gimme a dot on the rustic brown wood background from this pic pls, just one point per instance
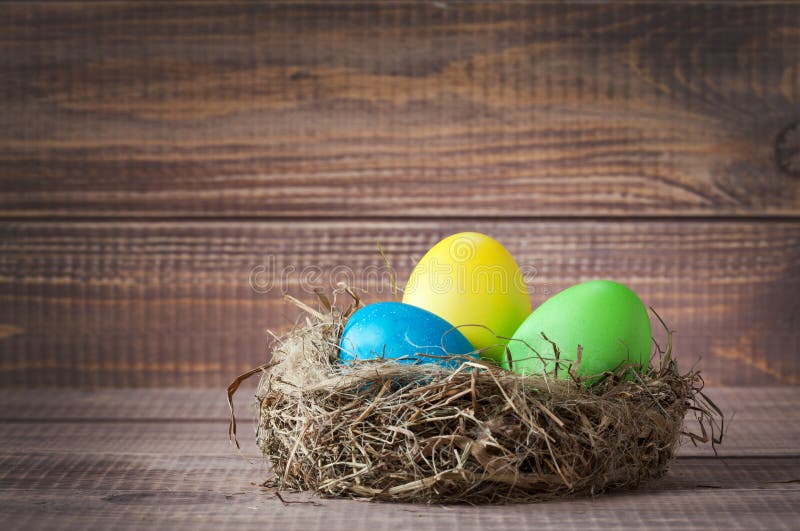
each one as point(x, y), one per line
point(153, 157)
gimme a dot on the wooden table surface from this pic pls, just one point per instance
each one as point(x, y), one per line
point(161, 458)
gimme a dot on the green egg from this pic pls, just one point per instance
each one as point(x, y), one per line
point(606, 319)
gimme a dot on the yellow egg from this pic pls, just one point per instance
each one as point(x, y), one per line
point(473, 282)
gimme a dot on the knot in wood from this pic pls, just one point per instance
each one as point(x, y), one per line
point(787, 150)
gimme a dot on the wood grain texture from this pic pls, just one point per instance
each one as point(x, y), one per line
point(419, 110)
point(185, 475)
point(189, 303)
point(760, 421)
point(121, 490)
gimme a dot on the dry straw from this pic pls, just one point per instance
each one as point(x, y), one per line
point(479, 434)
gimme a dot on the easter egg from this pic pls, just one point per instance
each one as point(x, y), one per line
point(607, 320)
point(473, 282)
point(401, 332)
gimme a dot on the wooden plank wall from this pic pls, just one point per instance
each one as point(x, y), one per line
point(163, 164)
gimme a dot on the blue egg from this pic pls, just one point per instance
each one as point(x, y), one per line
point(401, 332)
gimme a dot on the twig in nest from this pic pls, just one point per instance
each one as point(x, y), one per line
point(232, 388)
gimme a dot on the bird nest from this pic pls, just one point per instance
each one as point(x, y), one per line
point(478, 434)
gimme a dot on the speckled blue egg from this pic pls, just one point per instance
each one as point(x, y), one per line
point(401, 332)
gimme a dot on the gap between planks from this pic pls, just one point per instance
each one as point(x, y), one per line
point(433, 217)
